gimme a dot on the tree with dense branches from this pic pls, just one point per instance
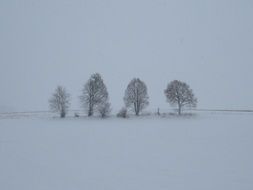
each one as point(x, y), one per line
point(95, 96)
point(136, 96)
point(60, 101)
point(179, 93)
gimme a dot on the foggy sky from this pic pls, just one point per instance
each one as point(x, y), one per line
point(206, 43)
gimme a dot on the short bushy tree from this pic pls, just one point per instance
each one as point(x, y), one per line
point(94, 94)
point(179, 93)
point(136, 96)
point(104, 109)
point(122, 113)
point(60, 101)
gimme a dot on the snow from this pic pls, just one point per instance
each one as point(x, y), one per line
point(207, 151)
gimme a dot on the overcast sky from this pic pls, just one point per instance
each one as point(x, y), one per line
point(206, 43)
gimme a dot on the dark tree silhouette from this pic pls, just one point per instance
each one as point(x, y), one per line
point(60, 101)
point(136, 96)
point(94, 94)
point(179, 93)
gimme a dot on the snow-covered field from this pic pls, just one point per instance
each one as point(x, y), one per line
point(208, 151)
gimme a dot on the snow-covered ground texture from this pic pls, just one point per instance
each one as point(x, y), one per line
point(208, 151)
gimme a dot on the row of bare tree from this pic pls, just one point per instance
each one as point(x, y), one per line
point(95, 97)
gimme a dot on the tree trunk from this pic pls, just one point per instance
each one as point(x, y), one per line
point(63, 114)
point(179, 109)
point(90, 113)
point(136, 109)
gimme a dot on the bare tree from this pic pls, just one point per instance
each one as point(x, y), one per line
point(60, 101)
point(136, 96)
point(94, 94)
point(179, 93)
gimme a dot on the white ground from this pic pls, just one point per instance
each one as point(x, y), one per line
point(210, 151)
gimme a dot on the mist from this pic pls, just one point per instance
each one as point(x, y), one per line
point(207, 44)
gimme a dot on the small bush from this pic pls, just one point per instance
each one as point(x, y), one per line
point(104, 110)
point(122, 113)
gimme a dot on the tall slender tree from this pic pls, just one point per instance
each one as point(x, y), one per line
point(136, 96)
point(94, 94)
point(60, 101)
